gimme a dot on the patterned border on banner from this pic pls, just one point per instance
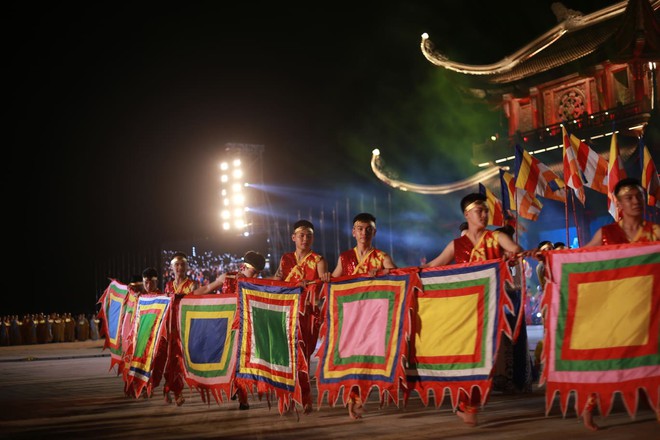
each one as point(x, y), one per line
point(112, 313)
point(208, 342)
point(149, 333)
point(269, 356)
point(366, 323)
point(457, 326)
point(602, 332)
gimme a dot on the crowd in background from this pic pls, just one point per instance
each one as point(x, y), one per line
point(48, 328)
point(204, 268)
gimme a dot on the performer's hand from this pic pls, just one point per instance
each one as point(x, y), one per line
point(325, 277)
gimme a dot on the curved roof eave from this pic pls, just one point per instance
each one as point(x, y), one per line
point(571, 24)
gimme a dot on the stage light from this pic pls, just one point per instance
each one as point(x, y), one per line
point(238, 199)
point(242, 161)
point(225, 214)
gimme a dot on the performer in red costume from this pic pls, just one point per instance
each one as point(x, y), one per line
point(150, 281)
point(302, 266)
point(631, 228)
point(253, 264)
point(363, 258)
point(478, 244)
point(181, 283)
point(367, 260)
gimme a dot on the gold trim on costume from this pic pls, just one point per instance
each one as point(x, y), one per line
point(475, 204)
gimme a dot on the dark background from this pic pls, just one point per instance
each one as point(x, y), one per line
point(120, 114)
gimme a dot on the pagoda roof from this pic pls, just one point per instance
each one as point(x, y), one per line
point(623, 32)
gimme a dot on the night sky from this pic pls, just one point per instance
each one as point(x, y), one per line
point(121, 113)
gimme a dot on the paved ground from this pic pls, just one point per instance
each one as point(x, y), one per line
point(67, 391)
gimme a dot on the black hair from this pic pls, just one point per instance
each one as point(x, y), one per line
point(543, 243)
point(470, 198)
point(255, 259)
point(364, 217)
point(303, 224)
point(628, 181)
point(463, 226)
point(150, 272)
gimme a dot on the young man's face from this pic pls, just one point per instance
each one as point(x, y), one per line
point(477, 216)
point(150, 284)
point(303, 238)
point(249, 271)
point(179, 267)
point(631, 202)
point(364, 232)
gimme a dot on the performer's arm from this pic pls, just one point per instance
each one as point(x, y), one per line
point(278, 274)
point(205, 290)
point(322, 270)
point(338, 269)
point(597, 239)
point(445, 257)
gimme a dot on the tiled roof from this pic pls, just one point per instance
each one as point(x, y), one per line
point(575, 38)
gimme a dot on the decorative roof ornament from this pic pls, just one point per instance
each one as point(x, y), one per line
point(378, 167)
point(545, 52)
point(564, 14)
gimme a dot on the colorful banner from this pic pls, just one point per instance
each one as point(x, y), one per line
point(537, 178)
point(602, 329)
point(269, 355)
point(458, 320)
point(208, 343)
point(366, 324)
point(615, 172)
point(112, 315)
point(147, 354)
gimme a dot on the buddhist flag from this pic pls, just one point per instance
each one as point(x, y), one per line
point(536, 178)
point(529, 207)
point(495, 212)
point(650, 180)
point(615, 172)
point(572, 174)
point(592, 165)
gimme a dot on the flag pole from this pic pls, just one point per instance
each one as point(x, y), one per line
point(568, 241)
point(577, 227)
